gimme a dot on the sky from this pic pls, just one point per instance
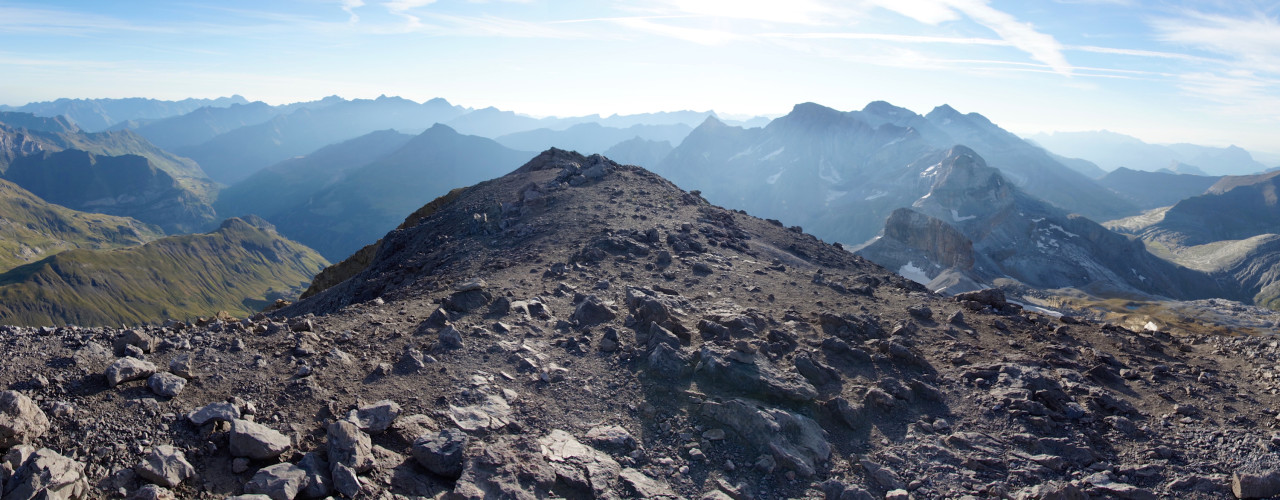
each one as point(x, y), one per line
point(1205, 72)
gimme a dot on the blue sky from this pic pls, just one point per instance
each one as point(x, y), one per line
point(1205, 72)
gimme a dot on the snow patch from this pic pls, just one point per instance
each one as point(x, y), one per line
point(774, 178)
point(1151, 326)
point(875, 195)
point(745, 152)
point(955, 216)
point(773, 154)
point(930, 171)
point(913, 273)
point(833, 195)
point(827, 172)
point(1064, 231)
point(890, 143)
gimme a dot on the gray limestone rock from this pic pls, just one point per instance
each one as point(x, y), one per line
point(45, 474)
point(279, 481)
point(376, 417)
point(166, 384)
point(794, 440)
point(350, 447)
point(441, 452)
point(21, 421)
point(166, 466)
point(256, 441)
point(128, 369)
point(224, 412)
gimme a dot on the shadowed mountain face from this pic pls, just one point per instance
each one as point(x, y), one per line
point(239, 268)
point(1234, 208)
point(1148, 190)
point(116, 172)
point(1017, 236)
point(841, 174)
point(237, 154)
point(355, 206)
point(126, 185)
point(637, 151)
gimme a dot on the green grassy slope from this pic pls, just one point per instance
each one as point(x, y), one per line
point(238, 268)
point(32, 229)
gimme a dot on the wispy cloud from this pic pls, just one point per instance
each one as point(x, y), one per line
point(1024, 36)
point(350, 6)
point(61, 22)
point(1253, 42)
point(404, 8)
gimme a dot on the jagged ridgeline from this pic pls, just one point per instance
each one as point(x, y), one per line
point(239, 268)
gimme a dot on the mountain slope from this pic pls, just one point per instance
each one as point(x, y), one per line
point(1017, 236)
point(1234, 208)
point(638, 151)
point(31, 228)
point(370, 200)
point(235, 155)
point(128, 185)
point(1031, 168)
point(1148, 190)
point(204, 124)
point(294, 182)
point(238, 268)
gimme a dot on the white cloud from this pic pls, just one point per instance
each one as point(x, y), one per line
point(350, 6)
point(1252, 42)
point(807, 12)
point(401, 8)
point(1040, 46)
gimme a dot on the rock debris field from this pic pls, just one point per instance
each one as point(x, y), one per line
point(583, 329)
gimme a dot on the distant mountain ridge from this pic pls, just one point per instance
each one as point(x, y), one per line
point(95, 115)
point(1111, 150)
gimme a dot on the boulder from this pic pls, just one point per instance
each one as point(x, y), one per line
point(441, 452)
point(44, 474)
point(638, 485)
point(376, 417)
point(256, 441)
point(593, 311)
point(349, 447)
point(166, 384)
point(578, 466)
point(319, 480)
point(1248, 485)
point(21, 421)
point(128, 369)
point(491, 413)
point(612, 436)
point(166, 466)
point(216, 412)
point(279, 481)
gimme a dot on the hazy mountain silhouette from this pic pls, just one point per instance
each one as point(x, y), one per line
point(98, 114)
point(237, 154)
point(1111, 150)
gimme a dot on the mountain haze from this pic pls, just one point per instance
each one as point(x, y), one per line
point(99, 114)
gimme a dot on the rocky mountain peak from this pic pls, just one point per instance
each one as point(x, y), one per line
point(964, 182)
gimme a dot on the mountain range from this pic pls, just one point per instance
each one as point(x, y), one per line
point(1111, 150)
point(98, 114)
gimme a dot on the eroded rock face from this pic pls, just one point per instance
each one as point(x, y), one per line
point(795, 441)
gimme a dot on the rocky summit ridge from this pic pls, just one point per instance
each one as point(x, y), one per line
point(584, 329)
